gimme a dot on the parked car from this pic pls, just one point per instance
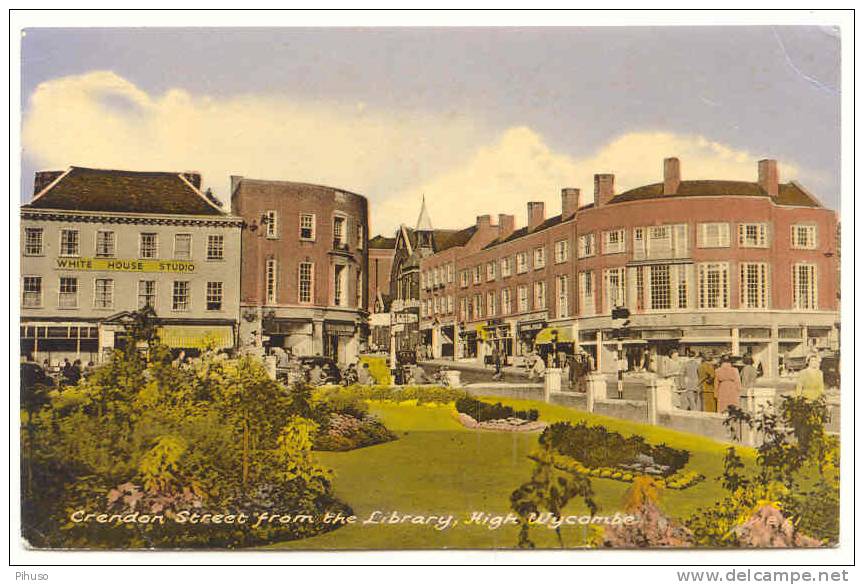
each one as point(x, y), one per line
point(830, 366)
point(405, 361)
point(331, 369)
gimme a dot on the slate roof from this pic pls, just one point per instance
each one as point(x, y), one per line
point(445, 239)
point(82, 189)
point(789, 193)
point(523, 231)
point(382, 243)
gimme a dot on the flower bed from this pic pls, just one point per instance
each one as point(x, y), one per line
point(511, 424)
point(678, 481)
point(484, 411)
point(345, 432)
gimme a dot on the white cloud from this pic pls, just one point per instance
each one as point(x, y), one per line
point(464, 166)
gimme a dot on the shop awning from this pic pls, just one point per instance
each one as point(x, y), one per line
point(565, 335)
point(197, 336)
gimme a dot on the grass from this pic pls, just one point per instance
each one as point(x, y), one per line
point(437, 467)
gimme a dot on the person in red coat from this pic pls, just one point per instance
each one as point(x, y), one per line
point(727, 385)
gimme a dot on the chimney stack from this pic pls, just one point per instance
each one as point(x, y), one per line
point(604, 189)
point(569, 202)
point(769, 179)
point(43, 179)
point(671, 175)
point(506, 225)
point(484, 222)
point(193, 177)
point(536, 214)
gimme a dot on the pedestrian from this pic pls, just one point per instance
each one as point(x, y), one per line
point(672, 371)
point(496, 361)
point(66, 372)
point(749, 373)
point(364, 376)
point(727, 385)
point(538, 366)
point(811, 380)
point(690, 383)
point(571, 370)
point(706, 382)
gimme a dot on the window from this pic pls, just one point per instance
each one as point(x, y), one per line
point(271, 218)
point(182, 246)
point(713, 235)
point(477, 274)
point(614, 282)
point(358, 288)
point(586, 293)
point(522, 297)
point(586, 245)
point(506, 267)
point(33, 241)
point(491, 305)
point(339, 272)
point(463, 308)
point(539, 295)
point(361, 237)
point(539, 258)
point(659, 287)
point(640, 288)
point(464, 277)
point(754, 285)
point(146, 293)
point(215, 247)
point(664, 241)
point(490, 271)
point(753, 235)
point(32, 290)
point(714, 285)
point(180, 296)
point(562, 285)
point(271, 280)
point(684, 272)
point(804, 236)
point(339, 231)
point(70, 245)
point(562, 251)
point(104, 244)
point(451, 271)
point(506, 302)
point(214, 296)
point(478, 307)
point(149, 245)
point(804, 294)
point(307, 226)
point(613, 242)
point(450, 304)
point(521, 262)
point(103, 293)
point(68, 292)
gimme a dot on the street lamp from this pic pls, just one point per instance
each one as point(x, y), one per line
point(554, 333)
point(620, 321)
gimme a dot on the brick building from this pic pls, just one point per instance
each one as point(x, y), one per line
point(381, 252)
point(508, 289)
point(97, 245)
point(304, 273)
point(706, 265)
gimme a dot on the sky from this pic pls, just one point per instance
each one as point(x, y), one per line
point(479, 120)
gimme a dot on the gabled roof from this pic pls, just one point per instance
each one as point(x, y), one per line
point(789, 193)
point(443, 239)
point(82, 189)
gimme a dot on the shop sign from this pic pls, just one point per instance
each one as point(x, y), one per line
point(339, 328)
point(125, 265)
point(404, 318)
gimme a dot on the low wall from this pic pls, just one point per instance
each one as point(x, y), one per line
point(520, 391)
point(635, 410)
point(707, 424)
point(571, 399)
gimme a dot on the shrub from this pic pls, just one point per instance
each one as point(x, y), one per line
point(345, 432)
point(483, 411)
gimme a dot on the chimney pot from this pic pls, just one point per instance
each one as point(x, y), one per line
point(604, 188)
point(671, 175)
point(506, 225)
point(570, 200)
point(769, 178)
point(484, 221)
point(536, 214)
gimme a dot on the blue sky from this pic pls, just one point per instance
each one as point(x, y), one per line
point(395, 112)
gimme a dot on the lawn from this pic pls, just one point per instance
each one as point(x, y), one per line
point(437, 467)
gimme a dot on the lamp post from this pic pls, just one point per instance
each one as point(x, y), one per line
point(620, 321)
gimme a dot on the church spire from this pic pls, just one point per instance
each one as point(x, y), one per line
point(424, 223)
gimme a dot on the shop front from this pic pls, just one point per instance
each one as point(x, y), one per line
point(340, 340)
point(526, 332)
point(55, 342)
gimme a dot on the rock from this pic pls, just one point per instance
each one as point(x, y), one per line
point(768, 528)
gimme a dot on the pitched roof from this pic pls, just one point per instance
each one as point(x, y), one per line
point(424, 222)
point(382, 242)
point(82, 189)
point(789, 193)
point(444, 239)
point(523, 231)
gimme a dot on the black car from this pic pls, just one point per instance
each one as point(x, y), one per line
point(332, 374)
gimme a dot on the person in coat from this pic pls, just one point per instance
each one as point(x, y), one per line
point(690, 383)
point(811, 380)
point(727, 385)
point(706, 382)
point(749, 373)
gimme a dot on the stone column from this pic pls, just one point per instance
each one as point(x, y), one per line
point(771, 365)
point(598, 365)
point(736, 342)
point(318, 337)
point(659, 398)
point(595, 388)
point(552, 383)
